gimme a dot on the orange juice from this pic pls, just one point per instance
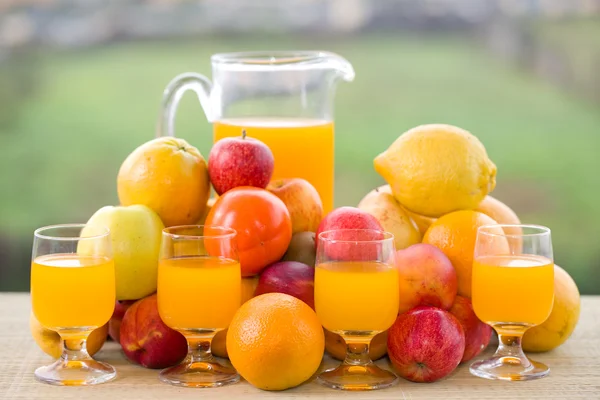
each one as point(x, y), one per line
point(72, 291)
point(513, 289)
point(356, 296)
point(198, 292)
point(302, 148)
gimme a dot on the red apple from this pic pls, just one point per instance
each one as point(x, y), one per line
point(302, 201)
point(289, 277)
point(146, 340)
point(477, 334)
point(425, 344)
point(114, 325)
point(344, 218)
point(240, 161)
point(427, 277)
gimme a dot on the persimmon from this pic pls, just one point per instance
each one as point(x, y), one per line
point(262, 222)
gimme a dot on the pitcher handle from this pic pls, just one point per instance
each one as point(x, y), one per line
point(173, 94)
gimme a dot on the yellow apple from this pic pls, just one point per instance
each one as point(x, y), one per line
point(392, 217)
point(136, 233)
point(50, 343)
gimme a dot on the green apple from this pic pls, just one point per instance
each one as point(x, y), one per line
point(135, 233)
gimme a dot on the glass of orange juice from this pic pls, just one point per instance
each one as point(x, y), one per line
point(73, 293)
point(199, 291)
point(513, 290)
point(356, 296)
point(283, 98)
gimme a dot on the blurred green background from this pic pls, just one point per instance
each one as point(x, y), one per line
point(527, 86)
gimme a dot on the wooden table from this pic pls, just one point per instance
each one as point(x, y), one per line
point(575, 371)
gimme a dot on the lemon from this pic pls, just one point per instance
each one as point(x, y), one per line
point(436, 169)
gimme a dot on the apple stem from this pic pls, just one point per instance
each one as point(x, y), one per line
point(243, 134)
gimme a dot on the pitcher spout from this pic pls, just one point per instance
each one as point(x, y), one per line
point(339, 65)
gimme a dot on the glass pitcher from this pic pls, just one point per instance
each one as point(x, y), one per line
point(284, 99)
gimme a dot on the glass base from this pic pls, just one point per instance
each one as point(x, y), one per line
point(76, 372)
point(357, 377)
point(509, 368)
point(199, 374)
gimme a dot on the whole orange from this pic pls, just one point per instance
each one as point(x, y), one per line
point(169, 176)
point(275, 341)
point(563, 318)
point(262, 222)
point(455, 235)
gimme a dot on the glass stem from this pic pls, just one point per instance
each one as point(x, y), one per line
point(199, 348)
point(357, 352)
point(74, 347)
point(510, 346)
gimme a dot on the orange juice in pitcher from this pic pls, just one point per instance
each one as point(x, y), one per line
point(284, 99)
point(302, 148)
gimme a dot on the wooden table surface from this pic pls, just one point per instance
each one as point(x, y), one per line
point(575, 371)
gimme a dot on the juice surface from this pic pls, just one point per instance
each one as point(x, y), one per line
point(70, 290)
point(303, 148)
point(513, 289)
point(198, 292)
point(356, 296)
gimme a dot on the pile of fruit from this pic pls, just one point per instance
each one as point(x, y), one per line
point(439, 179)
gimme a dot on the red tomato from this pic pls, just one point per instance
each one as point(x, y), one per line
point(262, 222)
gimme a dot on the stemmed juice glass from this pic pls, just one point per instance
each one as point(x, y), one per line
point(513, 290)
point(73, 293)
point(199, 291)
point(356, 296)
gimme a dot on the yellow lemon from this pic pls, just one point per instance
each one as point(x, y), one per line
point(563, 318)
point(436, 169)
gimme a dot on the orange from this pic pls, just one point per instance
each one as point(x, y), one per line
point(563, 318)
point(262, 222)
point(218, 347)
point(169, 176)
point(275, 341)
point(335, 345)
point(455, 235)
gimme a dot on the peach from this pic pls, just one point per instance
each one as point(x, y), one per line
point(393, 218)
point(146, 340)
point(114, 325)
point(302, 201)
point(427, 278)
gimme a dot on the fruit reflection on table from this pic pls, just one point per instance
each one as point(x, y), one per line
point(417, 308)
